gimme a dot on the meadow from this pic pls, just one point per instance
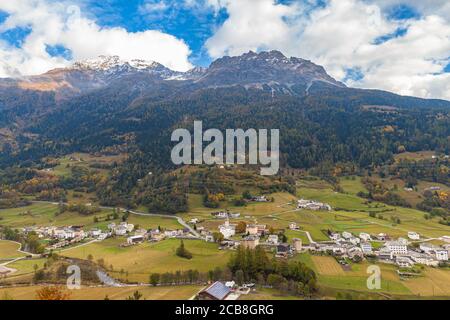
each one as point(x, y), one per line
point(9, 250)
point(45, 214)
point(139, 261)
point(113, 293)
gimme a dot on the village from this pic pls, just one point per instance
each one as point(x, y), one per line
point(405, 252)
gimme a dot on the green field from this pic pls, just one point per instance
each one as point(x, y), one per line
point(142, 260)
point(8, 250)
point(63, 169)
point(44, 214)
point(333, 278)
point(136, 263)
point(268, 213)
point(23, 271)
point(354, 216)
point(352, 185)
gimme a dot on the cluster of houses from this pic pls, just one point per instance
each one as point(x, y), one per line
point(399, 251)
point(157, 235)
point(258, 235)
point(61, 233)
point(61, 236)
point(312, 205)
point(225, 215)
point(228, 229)
point(259, 199)
point(65, 236)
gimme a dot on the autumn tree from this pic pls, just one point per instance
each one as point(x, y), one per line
point(52, 293)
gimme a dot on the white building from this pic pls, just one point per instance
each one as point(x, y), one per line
point(228, 230)
point(404, 262)
point(441, 255)
point(424, 259)
point(312, 205)
point(293, 226)
point(335, 236)
point(427, 247)
point(120, 231)
point(413, 235)
point(366, 247)
point(96, 232)
point(355, 241)
point(347, 235)
point(381, 236)
point(273, 239)
point(260, 199)
point(140, 232)
point(396, 247)
point(128, 226)
point(111, 226)
point(171, 233)
point(135, 239)
point(365, 236)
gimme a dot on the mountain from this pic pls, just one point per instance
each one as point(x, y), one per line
point(265, 69)
point(113, 104)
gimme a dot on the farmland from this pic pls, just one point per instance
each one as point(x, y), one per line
point(99, 293)
point(135, 264)
point(9, 250)
point(45, 214)
point(141, 260)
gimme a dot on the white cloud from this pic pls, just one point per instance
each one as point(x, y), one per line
point(150, 6)
point(62, 24)
point(341, 36)
point(252, 25)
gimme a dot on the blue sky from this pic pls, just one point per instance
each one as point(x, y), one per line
point(193, 25)
point(397, 45)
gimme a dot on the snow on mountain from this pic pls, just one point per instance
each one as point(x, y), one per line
point(106, 63)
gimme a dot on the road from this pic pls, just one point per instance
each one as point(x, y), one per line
point(21, 251)
point(78, 246)
point(11, 261)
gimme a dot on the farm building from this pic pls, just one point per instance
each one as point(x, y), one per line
point(216, 291)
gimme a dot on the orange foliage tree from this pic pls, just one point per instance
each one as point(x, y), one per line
point(52, 293)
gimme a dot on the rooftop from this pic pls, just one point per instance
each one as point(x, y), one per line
point(218, 290)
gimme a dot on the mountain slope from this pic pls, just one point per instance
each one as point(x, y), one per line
point(108, 102)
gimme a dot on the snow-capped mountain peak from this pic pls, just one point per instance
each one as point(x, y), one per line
point(106, 63)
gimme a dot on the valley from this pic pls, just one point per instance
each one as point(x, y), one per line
point(87, 180)
point(135, 264)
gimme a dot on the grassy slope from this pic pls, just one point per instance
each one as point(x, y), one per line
point(142, 260)
point(99, 293)
point(8, 250)
point(43, 214)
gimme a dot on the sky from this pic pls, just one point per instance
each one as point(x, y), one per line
point(401, 46)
